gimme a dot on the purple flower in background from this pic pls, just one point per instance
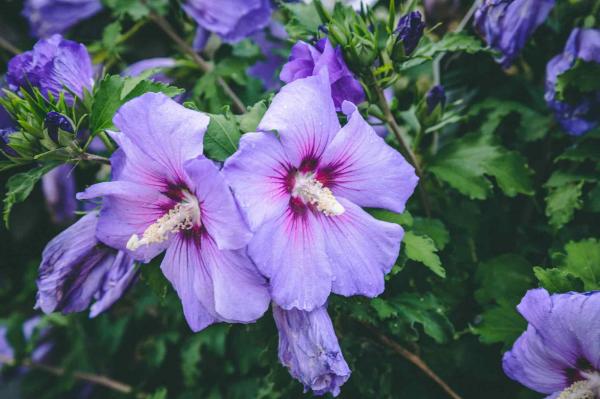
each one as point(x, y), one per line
point(54, 65)
point(47, 17)
point(559, 353)
point(302, 190)
point(158, 64)
point(39, 352)
point(58, 187)
point(310, 350)
point(5, 140)
point(434, 97)
point(232, 20)
point(166, 195)
point(306, 60)
point(506, 25)
point(269, 43)
point(578, 117)
point(410, 30)
point(77, 269)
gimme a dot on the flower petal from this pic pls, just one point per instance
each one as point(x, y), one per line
point(258, 177)
point(165, 131)
point(360, 166)
point(361, 250)
point(289, 250)
point(240, 293)
point(304, 116)
point(182, 266)
point(219, 212)
point(119, 278)
point(58, 186)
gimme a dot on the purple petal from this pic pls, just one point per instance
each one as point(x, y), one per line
point(58, 186)
point(361, 167)
point(361, 250)
point(159, 64)
point(289, 250)
point(47, 17)
point(257, 177)
point(304, 116)
point(121, 276)
point(310, 350)
point(219, 212)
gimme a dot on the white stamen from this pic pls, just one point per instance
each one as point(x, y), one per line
point(584, 389)
point(313, 192)
point(183, 216)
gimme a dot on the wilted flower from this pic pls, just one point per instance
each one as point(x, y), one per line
point(306, 60)
point(47, 17)
point(302, 190)
point(58, 186)
point(269, 43)
point(5, 140)
point(559, 353)
point(232, 20)
point(410, 30)
point(54, 65)
point(506, 25)
point(582, 114)
point(76, 268)
point(158, 64)
point(434, 97)
point(166, 195)
point(309, 348)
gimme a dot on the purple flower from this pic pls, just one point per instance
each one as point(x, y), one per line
point(158, 64)
point(582, 116)
point(54, 65)
point(310, 350)
point(269, 44)
point(5, 140)
point(76, 269)
point(434, 97)
point(232, 20)
point(58, 187)
point(39, 352)
point(166, 195)
point(506, 25)
point(47, 17)
point(559, 354)
point(306, 60)
point(410, 30)
point(302, 190)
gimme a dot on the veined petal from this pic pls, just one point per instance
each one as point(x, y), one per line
point(358, 165)
point(290, 251)
point(128, 208)
point(167, 132)
point(119, 278)
point(361, 249)
point(258, 177)
point(304, 115)
point(219, 212)
point(240, 293)
point(182, 266)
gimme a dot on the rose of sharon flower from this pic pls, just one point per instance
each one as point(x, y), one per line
point(47, 17)
point(506, 25)
point(559, 354)
point(310, 350)
point(58, 186)
point(165, 195)
point(306, 60)
point(54, 65)
point(77, 269)
point(302, 189)
point(579, 117)
point(232, 20)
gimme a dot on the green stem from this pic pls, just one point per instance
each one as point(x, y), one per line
point(107, 141)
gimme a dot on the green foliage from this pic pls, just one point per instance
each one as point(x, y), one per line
point(222, 136)
point(134, 9)
point(422, 249)
point(581, 78)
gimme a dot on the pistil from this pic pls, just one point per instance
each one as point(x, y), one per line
point(313, 192)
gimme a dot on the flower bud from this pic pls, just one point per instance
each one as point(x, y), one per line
point(434, 97)
point(55, 121)
point(409, 30)
point(4, 142)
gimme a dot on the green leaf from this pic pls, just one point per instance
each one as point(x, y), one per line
point(562, 202)
point(136, 9)
point(583, 261)
point(557, 280)
point(433, 228)
point(464, 163)
point(155, 279)
point(303, 19)
point(503, 279)
point(384, 309)
point(452, 42)
point(250, 120)
point(20, 185)
point(222, 136)
point(422, 249)
point(404, 219)
point(500, 324)
point(425, 310)
point(107, 99)
point(580, 79)
point(160, 393)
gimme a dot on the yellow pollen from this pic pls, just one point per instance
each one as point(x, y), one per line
point(313, 192)
point(579, 390)
point(183, 216)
